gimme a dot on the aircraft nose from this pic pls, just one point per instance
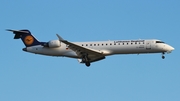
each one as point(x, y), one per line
point(170, 49)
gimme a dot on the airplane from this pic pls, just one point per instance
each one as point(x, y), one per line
point(88, 52)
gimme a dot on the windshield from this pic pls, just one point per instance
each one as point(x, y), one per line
point(160, 42)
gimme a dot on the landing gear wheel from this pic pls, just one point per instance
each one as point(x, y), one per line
point(85, 59)
point(163, 57)
point(87, 64)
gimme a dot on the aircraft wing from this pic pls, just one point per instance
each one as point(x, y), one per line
point(93, 55)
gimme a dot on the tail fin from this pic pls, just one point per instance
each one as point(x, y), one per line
point(26, 36)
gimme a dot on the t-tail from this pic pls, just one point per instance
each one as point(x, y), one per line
point(26, 36)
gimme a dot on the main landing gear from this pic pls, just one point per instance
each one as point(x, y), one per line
point(163, 57)
point(87, 64)
point(86, 60)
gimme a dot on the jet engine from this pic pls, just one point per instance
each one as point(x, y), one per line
point(53, 44)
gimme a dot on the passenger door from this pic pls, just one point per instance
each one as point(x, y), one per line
point(148, 45)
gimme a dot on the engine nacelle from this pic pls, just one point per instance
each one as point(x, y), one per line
point(53, 44)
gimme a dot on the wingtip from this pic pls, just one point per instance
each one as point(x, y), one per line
point(59, 37)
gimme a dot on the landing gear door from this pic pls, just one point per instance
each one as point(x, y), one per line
point(148, 45)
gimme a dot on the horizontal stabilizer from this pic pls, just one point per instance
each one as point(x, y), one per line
point(19, 33)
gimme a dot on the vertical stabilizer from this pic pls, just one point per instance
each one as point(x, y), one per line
point(26, 36)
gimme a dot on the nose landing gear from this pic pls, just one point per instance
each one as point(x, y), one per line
point(163, 57)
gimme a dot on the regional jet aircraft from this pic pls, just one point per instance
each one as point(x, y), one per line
point(88, 52)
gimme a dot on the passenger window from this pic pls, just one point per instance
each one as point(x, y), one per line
point(86, 44)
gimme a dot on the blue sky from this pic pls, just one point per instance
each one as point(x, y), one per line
point(30, 77)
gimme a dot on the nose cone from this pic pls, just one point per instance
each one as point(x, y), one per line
point(170, 49)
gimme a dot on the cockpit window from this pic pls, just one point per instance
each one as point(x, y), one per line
point(159, 42)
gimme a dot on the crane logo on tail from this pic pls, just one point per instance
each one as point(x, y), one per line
point(28, 40)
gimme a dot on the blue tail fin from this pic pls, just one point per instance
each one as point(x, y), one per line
point(26, 36)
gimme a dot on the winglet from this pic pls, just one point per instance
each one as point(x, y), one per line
point(60, 38)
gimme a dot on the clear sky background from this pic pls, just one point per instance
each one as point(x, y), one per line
point(146, 77)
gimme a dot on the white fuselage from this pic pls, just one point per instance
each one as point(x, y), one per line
point(106, 48)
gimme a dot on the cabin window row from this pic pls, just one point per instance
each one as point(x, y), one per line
point(113, 44)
